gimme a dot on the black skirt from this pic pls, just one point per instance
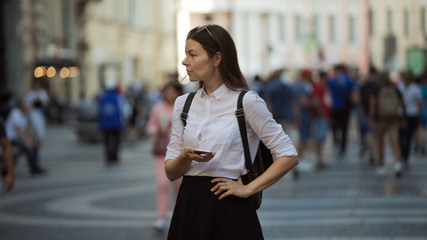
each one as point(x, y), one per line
point(199, 215)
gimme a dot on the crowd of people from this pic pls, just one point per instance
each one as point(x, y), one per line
point(384, 105)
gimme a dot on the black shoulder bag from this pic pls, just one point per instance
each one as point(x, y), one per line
point(263, 158)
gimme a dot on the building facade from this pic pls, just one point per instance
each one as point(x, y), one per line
point(398, 33)
point(274, 34)
point(131, 40)
point(73, 45)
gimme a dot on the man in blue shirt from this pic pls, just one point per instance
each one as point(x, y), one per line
point(341, 88)
point(278, 96)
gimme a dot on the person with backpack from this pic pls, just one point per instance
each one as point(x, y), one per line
point(383, 111)
point(365, 91)
point(111, 119)
point(208, 149)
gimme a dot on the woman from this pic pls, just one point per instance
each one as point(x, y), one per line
point(159, 125)
point(212, 202)
point(38, 100)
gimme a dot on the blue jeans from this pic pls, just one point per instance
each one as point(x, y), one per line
point(32, 154)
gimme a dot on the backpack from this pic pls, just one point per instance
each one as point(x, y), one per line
point(109, 114)
point(263, 158)
point(388, 102)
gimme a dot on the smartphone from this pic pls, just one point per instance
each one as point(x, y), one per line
point(203, 153)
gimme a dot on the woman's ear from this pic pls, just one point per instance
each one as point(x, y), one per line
point(217, 59)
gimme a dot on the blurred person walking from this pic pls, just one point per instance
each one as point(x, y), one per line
point(365, 92)
point(257, 85)
point(20, 134)
point(278, 95)
point(420, 138)
point(111, 119)
point(302, 91)
point(321, 102)
point(160, 126)
point(37, 99)
point(412, 97)
point(6, 159)
point(213, 203)
point(383, 112)
point(341, 86)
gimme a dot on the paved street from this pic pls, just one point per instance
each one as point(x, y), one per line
point(80, 198)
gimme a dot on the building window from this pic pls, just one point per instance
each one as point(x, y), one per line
point(423, 19)
point(316, 27)
point(351, 29)
point(332, 29)
point(406, 22)
point(132, 8)
point(298, 27)
point(389, 21)
point(282, 28)
point(371, 23)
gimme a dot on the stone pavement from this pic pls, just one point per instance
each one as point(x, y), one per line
point(81, 198)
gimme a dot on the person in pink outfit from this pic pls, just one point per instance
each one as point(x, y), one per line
point(159, 126)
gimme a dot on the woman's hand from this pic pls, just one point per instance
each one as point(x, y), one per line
point(230, 187)
point(175, 168)
point(189, 153)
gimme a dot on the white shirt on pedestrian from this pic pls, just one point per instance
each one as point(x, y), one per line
point(212, 125)
point(38, 120)
point(15, 119)
point(412, 95)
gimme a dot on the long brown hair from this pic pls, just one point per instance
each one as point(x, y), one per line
point(213, 39)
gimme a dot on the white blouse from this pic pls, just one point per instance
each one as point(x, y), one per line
point(212, 125)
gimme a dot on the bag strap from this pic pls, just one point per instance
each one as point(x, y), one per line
point(240, 114)
point(188, 101)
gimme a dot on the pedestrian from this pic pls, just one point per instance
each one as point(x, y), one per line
point(341, 86)
point(6, 159)
point(159, 126)
point(321, 101)
point(384, 105)
point(257, 85)
point(278, 95)
point(420, 143)
point(412, 97)
point(37, 99)
point(302, 92)
point(364, 93)
point(111, 119)
point(20, 134)
point(212, 202)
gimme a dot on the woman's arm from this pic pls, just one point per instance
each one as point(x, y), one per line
point(273, 174)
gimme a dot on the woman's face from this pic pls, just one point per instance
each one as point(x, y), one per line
point(198, 64)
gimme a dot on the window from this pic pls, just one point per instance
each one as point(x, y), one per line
point(282, 27)
point(316, 27)
point(332, 30)
point(423, 19)
point(351, 29)
point(389, 21)
point(371, 22)
point(406, 22)
point(298, 27)
point(132, 9)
